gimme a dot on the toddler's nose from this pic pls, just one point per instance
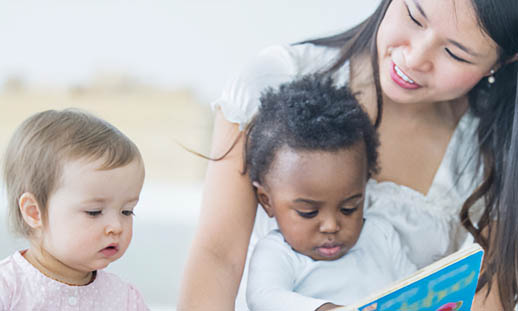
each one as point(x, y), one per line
point(329, 225)
point(113, 227)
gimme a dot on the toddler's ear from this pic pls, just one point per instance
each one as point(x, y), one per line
point(264, 198)
point(30, 210)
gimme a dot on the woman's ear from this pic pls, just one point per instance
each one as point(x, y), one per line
point(264, 198)
point(30, 209)
point(497, 66)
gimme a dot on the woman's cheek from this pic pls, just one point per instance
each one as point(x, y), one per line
point(457, 83)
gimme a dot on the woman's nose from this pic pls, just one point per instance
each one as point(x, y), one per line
point(419, 54)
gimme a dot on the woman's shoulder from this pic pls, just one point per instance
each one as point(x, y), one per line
point(271, 67)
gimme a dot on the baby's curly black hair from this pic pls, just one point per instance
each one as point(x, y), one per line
point(308, 114)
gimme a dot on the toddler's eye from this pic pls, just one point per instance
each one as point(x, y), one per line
point(348, 211)
point(93, 213)
point(308, 214)
point(128, 213)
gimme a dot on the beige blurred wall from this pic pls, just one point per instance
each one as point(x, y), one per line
point(155, 119)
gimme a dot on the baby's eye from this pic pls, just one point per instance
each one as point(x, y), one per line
point(93, 213)
point(128, 213)
point(348, 211)
point(308, 214)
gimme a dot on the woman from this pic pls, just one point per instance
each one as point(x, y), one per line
point(438, 78)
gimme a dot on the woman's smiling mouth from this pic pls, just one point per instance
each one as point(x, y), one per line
point(401, 79)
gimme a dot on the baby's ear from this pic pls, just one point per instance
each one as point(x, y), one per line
point(30, 209)
point(264, 198)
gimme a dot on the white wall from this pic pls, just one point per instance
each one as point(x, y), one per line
point(193, 43)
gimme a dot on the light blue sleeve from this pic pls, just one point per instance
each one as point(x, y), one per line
point(271, 279)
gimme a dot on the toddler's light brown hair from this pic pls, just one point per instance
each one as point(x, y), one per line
point(39, 147)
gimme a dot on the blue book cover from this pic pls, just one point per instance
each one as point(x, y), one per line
point(446, 285)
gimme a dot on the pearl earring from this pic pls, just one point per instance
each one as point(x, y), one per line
point(491, 79)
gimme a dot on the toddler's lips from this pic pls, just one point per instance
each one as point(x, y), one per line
point(329, 251)
point(110, 250)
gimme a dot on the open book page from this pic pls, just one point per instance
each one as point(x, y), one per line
point(446, 285)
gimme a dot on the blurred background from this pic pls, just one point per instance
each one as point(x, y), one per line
point(151, 68)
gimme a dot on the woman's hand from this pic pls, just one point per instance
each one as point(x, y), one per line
point(217, 256)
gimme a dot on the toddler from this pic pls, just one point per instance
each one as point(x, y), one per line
point(73, 181)
point(309, 152)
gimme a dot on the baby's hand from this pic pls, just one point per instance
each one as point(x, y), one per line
point(327, 306)
point(330, 306)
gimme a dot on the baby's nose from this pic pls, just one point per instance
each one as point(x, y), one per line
point(329, 225)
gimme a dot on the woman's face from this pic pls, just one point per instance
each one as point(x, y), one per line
point(432, 50)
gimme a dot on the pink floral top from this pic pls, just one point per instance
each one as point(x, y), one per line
point(23, 287)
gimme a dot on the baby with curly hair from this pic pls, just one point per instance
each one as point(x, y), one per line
point(309, 153)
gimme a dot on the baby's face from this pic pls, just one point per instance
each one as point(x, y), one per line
point(317, 199)
point(90, 214)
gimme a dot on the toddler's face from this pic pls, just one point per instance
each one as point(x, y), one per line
point(317, 199)
point(90, 214)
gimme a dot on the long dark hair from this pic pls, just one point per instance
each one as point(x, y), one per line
point(357, 40)
point(495, 104)
point(497, 131)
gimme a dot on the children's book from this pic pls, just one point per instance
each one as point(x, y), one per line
point(446, 285)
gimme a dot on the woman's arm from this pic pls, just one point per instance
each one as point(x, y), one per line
point(485, 302)
point(218, 253)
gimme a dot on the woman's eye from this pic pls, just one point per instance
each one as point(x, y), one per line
point(348, 211)
point(455, 57)
point(412, 18)
point(308, 214)
point(128, 213)
point(93, 213)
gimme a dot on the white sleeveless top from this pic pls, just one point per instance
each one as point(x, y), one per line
point(429, 225)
